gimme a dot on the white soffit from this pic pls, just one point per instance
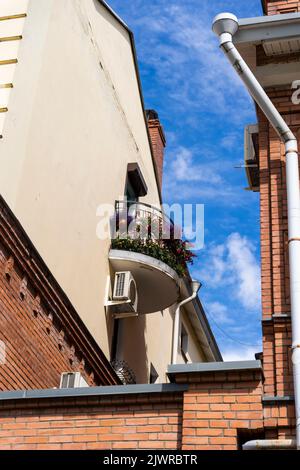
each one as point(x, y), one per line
point(281, 47)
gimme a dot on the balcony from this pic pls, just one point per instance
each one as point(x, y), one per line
point(145, 242)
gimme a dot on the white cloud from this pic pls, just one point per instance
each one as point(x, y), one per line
point(246, 270)
point(187, 179)
point(184, 168)
point(240, 353)
point(230, 140)
point(219, 312)
point(234, 265)
point(176, 42)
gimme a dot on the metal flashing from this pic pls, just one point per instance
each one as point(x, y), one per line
point(112, 390)
point(203, 367)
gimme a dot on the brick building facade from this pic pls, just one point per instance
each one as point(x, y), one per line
point(40, 332)
point(210, 407)
point(276, 321)
point(280, 7)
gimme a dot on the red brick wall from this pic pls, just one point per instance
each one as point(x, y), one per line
point(42, 334)
point(213, 413)
point(124, 422)
point(35, 351)
point(277, 7)
point(158, 145)
point(274, 260)
point(219, 407)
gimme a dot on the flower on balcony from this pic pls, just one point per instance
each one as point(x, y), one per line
point(175, 253)
point(145, 231)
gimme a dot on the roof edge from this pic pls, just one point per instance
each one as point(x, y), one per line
point(104, 391)
point(205, 367)
point(264, 20)
point(134, 52)
point(205, 325)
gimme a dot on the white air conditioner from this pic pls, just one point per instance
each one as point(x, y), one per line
point(125, 297)
point(249, 146)
point(251, 157)
point(72, 380)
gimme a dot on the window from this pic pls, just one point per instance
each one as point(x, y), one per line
point(131, 194)
point(184, 343)
point(135, 183)
point(153, 375)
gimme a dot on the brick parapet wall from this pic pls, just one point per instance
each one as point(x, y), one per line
point(279, 419)
point(219, 407)
point(123, 422)
point(214, 411)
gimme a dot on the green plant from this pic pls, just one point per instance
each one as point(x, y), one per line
point(175, 253)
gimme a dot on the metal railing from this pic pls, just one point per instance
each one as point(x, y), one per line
point(142, 221)
point(145, 229)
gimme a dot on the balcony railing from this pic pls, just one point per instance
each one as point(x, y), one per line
point(143, 228)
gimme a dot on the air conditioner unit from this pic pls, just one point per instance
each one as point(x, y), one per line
point(125, 298)
point(72, 380)
point(251, 150)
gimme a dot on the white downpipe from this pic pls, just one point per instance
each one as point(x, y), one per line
point(196, 286)
point(177, 326)
point(270, 444)
point(225, 26)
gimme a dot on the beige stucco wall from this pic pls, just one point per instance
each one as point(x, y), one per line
point(74, 121)
point(153, 334)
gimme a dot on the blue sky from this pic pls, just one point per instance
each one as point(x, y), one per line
point(204, 108)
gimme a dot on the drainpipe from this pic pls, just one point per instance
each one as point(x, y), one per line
point(270, 444)
point(225, 26)
point(195, 286)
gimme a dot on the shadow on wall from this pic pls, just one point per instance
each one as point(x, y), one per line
point(134, 347)
point(127, 340)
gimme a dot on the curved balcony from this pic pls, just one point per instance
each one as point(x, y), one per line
point(144, 242)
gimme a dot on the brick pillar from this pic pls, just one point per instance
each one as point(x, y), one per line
point(279, 7)
point(276, 307)
point(158, 141)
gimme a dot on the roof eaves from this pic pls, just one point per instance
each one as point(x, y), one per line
point(200, 312)
point(255, 30)
point(205, 367)
point(196, 309)
point(132, 41)
point(114, 14)
point(105, 391)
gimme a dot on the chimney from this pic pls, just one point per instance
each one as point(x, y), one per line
point(158, 141)
point(280, 7)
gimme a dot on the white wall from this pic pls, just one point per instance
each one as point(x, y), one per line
point(11, 30)
point(74, 122)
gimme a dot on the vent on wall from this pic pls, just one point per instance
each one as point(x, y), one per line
point(282, 47)
point(72, 380)
point(124, 372)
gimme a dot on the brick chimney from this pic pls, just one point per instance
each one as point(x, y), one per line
point(280, 7)
point(158, 141)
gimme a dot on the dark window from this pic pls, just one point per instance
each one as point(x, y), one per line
point(135, 183)
point(184, 343)
point(131, 194)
